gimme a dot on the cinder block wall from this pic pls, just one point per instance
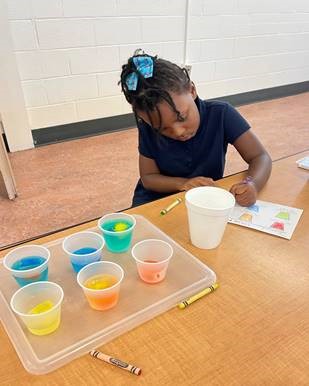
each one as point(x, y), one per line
point(243, 45)
point(69, 52)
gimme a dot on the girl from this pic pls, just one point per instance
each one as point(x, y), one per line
point(183, 139)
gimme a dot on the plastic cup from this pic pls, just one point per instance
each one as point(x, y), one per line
point(101, 299)
point(39, 306)
point(83, 248)
point(117, 241)
point(152, 258)
point(208, 210)
point(35, 256)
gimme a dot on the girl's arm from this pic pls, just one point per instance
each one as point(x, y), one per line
point(152, 179)
point(260, 164)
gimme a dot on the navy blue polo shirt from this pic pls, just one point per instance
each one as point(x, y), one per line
point(202, 155)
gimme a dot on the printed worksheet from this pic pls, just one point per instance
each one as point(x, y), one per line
point(267, 217)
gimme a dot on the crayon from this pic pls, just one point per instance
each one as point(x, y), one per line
point(116, 362)
point(171, 206)
point(193, 298)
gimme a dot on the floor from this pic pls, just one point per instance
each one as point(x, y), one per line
point(68, 183)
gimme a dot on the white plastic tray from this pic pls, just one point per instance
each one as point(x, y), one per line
point(82, 328)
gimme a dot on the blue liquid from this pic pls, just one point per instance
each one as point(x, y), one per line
point(27, 263)
point(84, 251)
point(117, 242)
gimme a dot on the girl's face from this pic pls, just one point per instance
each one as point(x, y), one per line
point(172, 127)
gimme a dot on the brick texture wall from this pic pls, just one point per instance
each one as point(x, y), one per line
point(69, 52)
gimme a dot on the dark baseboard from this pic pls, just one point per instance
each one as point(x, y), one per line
point(83, 129)
point(266, 94)
point(93, 127)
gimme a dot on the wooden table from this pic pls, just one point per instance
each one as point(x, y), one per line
point(254, 330)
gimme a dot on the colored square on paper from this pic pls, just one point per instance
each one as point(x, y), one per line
point(267, 217)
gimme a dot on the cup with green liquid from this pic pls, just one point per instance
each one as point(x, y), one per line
point(117, 230)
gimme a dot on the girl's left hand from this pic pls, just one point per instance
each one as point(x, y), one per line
point(245, 193)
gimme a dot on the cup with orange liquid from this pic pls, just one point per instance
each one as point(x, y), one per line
point(152, 258)
point(101, 282)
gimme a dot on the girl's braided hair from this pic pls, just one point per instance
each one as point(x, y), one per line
point(167, 77)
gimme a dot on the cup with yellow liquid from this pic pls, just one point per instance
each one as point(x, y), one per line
point(101, 282)
point(39, 306)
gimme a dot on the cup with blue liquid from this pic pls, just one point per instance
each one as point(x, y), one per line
point(83, 248)
point(28, 264)
point(117, 230)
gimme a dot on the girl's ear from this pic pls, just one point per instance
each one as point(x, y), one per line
point(193, 90)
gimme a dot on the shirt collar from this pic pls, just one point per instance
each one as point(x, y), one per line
point(201, 108)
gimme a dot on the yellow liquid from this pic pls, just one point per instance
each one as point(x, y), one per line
point(99, 282)
point(41, 307)
point(120, 227)
point(49, 323)
point(51, 327)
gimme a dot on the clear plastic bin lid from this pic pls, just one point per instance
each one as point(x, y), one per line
point(82, 328)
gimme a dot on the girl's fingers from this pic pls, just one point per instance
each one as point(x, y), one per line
point(246, 199)
point(233, 188)
point(240, 188)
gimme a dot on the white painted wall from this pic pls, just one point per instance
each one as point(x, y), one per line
point(13, 115)
point(237, 46)
point(69, 52)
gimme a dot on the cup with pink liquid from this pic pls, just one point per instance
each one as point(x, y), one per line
point(152, 257)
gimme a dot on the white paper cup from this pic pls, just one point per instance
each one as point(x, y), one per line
point(208, 210)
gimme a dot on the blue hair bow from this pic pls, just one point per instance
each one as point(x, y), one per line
point(144, 65)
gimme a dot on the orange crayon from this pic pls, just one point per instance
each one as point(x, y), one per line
point(116, 362)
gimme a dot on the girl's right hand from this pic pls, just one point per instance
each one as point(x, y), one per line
point(197, 181)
